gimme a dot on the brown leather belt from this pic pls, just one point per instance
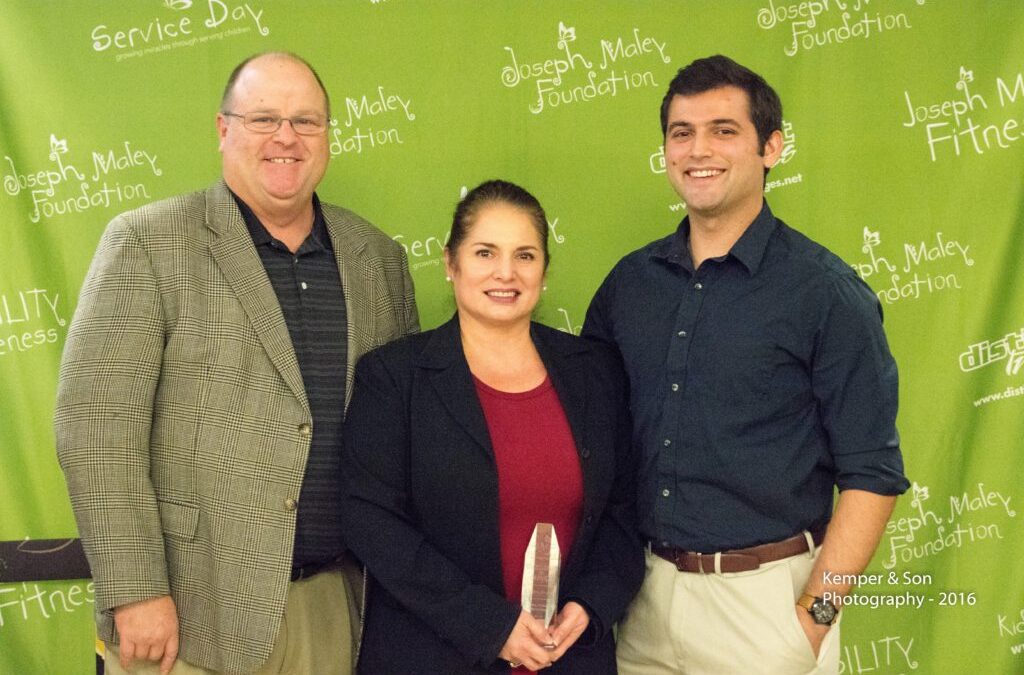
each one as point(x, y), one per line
point(738, 560)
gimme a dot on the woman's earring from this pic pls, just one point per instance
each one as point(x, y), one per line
point(447, 278)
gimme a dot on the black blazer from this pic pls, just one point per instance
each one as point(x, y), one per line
point(421, 506)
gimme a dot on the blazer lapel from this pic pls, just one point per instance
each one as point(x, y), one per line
point(235, 255)
point(357, 284)
point(569, 378)
point(450, 376)
point(570, 381)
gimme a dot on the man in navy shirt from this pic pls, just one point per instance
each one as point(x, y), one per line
point(760, 379)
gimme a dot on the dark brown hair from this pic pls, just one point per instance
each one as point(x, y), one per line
point(719, 71)
point(496, 192)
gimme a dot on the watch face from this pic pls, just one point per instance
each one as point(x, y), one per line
point(823, 612)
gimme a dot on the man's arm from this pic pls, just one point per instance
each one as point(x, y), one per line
point(855, 382)
point(412, 315)
point(149, 632)
point(597, 324)
point(104, 413)
point(850, 541)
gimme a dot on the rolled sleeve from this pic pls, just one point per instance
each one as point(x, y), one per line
point(855, 381)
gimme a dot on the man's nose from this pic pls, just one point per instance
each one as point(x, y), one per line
point(283, 135)
point(701, 146)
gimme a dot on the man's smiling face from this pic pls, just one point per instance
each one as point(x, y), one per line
point(275, 172)
point(715, 160)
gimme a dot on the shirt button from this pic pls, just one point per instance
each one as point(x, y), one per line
point(667, 442)
point(681, 333)
point(666, 492)
point(584, 453)
point(698, 285)
point(304, 286)
point(589, 519)
point(305, 429)
point(675, 387)
point(291, 504)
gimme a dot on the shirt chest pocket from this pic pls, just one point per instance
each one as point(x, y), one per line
point(739, 373)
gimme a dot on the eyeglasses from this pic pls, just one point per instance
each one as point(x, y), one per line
point(267, 123)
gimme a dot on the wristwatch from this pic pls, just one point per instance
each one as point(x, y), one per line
point(822, 611)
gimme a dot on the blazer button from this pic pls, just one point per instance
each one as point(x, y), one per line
point(291, 504)
point(305, 430)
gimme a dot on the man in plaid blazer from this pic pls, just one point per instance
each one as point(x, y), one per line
point(201, 394)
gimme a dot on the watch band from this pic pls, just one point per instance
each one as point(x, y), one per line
point(823, 612)
point(807, 601)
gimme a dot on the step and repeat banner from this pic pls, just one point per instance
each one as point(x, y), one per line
point(904, 128)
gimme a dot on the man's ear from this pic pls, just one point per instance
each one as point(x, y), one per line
point(222, 130)
point(772, 149)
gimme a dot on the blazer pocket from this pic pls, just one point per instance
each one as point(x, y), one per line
point(178, 520)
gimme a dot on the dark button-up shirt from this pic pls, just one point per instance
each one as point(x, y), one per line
point(308, 288)
point(757, 383)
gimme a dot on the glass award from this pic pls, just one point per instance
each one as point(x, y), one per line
point(540, 574)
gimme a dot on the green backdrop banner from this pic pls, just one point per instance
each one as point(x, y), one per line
point(904, 122)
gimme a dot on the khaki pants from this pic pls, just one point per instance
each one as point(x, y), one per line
point(315, 636)
point(719, 624)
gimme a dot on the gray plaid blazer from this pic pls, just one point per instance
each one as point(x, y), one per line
point(182, 422)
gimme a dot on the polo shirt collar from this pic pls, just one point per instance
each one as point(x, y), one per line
point(260, 235)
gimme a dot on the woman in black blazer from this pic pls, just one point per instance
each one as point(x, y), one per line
point(430, 497)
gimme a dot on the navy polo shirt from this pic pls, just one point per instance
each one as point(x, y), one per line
point(308, 288)
point(757, 383)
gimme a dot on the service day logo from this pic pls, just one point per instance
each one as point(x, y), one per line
point(60, 188)
point(570, 77)
point(183, 23)
point(949, 128)
point(813, 24)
